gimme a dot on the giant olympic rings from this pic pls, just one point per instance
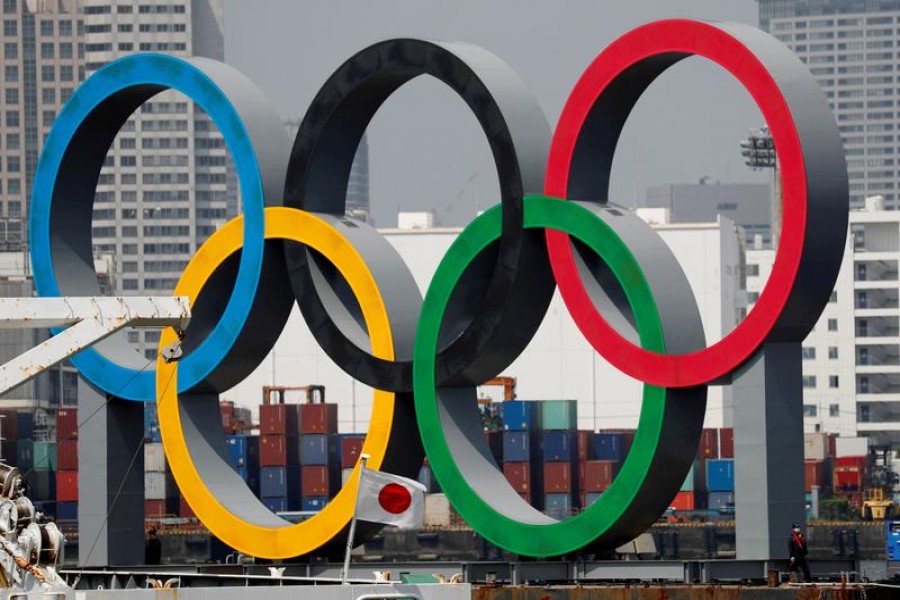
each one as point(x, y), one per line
point(489, 293)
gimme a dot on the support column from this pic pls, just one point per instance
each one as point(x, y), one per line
point(107, 443)
point(768, 440)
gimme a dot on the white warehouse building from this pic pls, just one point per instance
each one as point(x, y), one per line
point(558, 363)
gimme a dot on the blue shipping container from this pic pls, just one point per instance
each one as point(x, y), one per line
point(521, 415)
point(314, 503)
point(558, 506)
point(277, 482)
point(250, 477)
point(318, 449)
point(25, 425)
point(516, 445)
point(608, 446)
point(720, 475)
point(720, 500)
point(276, 504)
point(66, 511)
point(591, 497)
point(151, 423)
point(893, 540)
point(243, 450)
point(559, 446)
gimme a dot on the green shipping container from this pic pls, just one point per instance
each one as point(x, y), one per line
point(45, 456)
point(688, 485)
point(24, 455)
point(559, 414)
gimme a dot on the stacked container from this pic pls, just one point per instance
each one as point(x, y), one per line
point(151, 423)
point(349, 450)
point(67, 461)
point(720, 483)
point(279, 456)
point(818, 450)
point(522, 424)
point(319, 477)
point(160, 491)
point(243, 456)
point(559, 445)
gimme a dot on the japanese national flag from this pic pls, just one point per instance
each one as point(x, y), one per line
point(390, 499)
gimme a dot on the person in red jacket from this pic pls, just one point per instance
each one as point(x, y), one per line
point(798, 551)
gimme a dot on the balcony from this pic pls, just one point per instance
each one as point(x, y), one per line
point(877, 299)
point(878, 355)
point(883, 326)
point(875, 270)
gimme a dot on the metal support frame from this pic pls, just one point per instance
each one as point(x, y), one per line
point(89, 320)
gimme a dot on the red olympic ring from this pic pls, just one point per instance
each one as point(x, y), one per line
point(642, 44)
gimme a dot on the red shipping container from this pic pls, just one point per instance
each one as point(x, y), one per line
point(709, 444)
point(226, 408)
point(155, 508)
point(815, 474)
point(832, 445)
point(9, 425)
point(351, 448)
point(314, 481)
point(526, 496)
point(584, 443)
point(726, 442)
point(282, 419)
point(67, 455)
point(518, 474)
point(683, 501)
point(599, 474)
point(67, 486)
point(558, 477)
point(67, 424)
point(185, 510)
point(849, 472)
point(318, 418)
point(278, 450)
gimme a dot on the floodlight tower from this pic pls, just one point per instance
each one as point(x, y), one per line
point(758, 151)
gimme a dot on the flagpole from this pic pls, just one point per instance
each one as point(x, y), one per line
point(362, 469)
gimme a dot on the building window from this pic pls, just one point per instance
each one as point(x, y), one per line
point(809, 381)
point(809, 353)
point(10, 6)
point(65, 28)
point(809, 410)
point(832, 352)
point(12, 118)
point(832, 325)
point(11, 50)
point(10, 28)
point(834, 410)
point(12, 95)
point(863, 386)
point(47, 28)
point(129, 284)
point(14, 186)
point(833, 296)
point(66, 73)
point(11, 73)
point(12, 141)
point(48, 73)
point(833, 382)
point(47, 50)
point(48, 95)
point(753, 270)
point(65, 50)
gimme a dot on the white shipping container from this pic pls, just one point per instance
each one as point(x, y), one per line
point(154, 457)
point(851, 446)
point(437, 510)
point(815, 446)
point(159, 486)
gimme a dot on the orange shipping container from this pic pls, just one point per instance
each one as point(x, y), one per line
point(683, 501)
point(67, 486)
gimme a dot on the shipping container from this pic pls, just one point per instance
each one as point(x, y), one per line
point(152, 432)
point(683, 501)
point(558, 506)
point(316, 480)
point(516, 445)
point(41, 485)
point(45, 456)
point(25, 455)
point(495, 444)
point(276, 505)
point(67, 455)
point(66, 512)
point(250, 477)
point(226, 409)
point(24, 425)
point(520, 415)
point(154, 457)
point(557, 446)
point(275, 482)
point(437, 511)
point(696, 478)
point(816, 446)
point(610, 445)
point(518, 475)
point(849, 472)
point(599, 474)
point(818, 472)
point(560, 415)
point(726, 442)
point(314, 503)
point(159, 486)
point(67, 486)
point(560, 477)
point(185, 510)
point(318, 449)
point(279, 450)
point(279, 419)
point(709, 444)
point(583, 441)
point(318, 418)
point(345, 475)
point(351, 448)
point(67, 424)
point(588, 498)
point(156, 508)
point(243, 451)
point(720, 475)
point(9, 424)
point(720, 501)
point(851, 446)
point(9, 451)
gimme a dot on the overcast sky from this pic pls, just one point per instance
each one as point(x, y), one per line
point(426, 150)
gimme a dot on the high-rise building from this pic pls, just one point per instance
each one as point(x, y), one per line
point(852, 47)
point(164, 188)
point(41, 67)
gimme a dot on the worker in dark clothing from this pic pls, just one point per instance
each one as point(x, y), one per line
point(798, 551)
point(153, 549)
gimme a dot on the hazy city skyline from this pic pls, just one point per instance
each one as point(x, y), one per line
point(426, 149)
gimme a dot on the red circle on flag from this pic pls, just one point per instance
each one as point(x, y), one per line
point(394, 498)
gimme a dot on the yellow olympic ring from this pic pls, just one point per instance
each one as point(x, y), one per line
point(292, 539)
